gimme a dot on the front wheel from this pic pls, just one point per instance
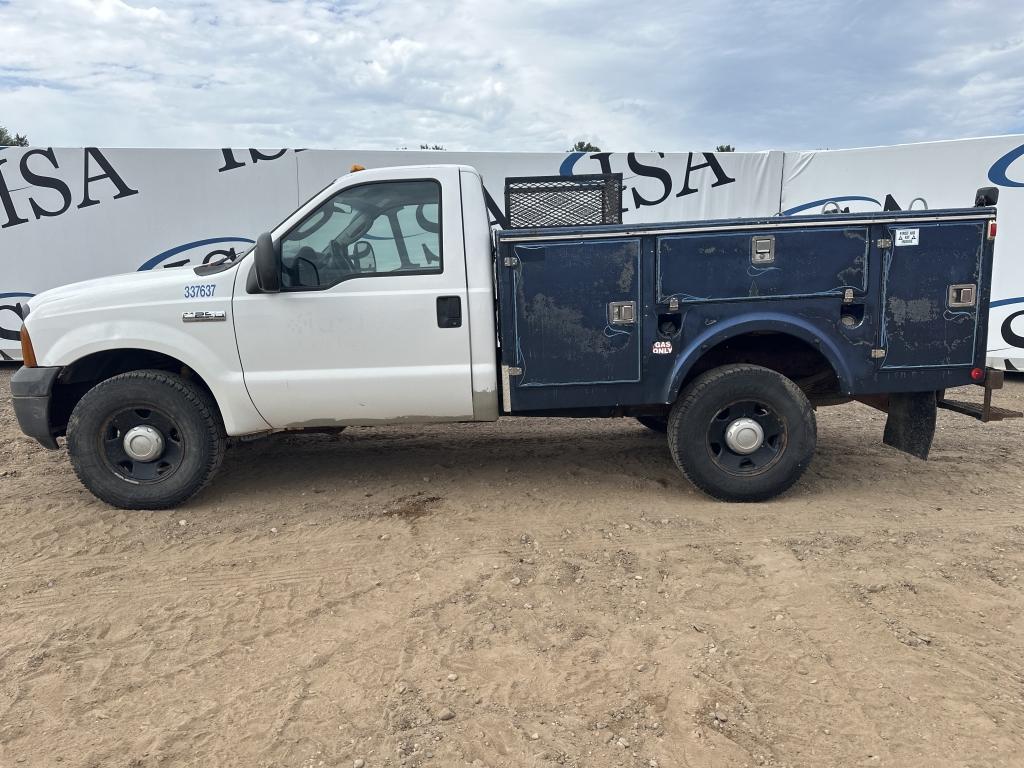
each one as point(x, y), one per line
point(145, 440)
point(742, 433)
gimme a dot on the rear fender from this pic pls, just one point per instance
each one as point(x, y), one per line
point(771, 322)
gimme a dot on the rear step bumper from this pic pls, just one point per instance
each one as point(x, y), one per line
point(979, 410)
point(983, 411)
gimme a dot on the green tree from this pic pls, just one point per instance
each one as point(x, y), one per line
point(7, 140)
point(725, 148)
point(584, 146)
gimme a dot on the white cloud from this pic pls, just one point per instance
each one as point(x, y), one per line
point(528, 75)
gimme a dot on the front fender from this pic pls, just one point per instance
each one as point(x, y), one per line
point(752, 322)
point(208, 349)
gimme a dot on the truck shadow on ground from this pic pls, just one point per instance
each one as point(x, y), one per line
point(592, 457)
point(399, 456)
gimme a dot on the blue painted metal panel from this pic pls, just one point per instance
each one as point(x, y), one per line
point(555, 327)
point(561, 296)
point(717, 266)
point(919, 329)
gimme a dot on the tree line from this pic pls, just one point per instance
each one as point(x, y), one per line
point(7, 139)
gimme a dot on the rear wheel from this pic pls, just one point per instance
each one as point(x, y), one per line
point(742, 433)
point(145, 440)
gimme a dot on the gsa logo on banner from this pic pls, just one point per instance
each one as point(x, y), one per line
point(31, 174)
point(10, 318)
point(212, 250)
point(998, 174)
point(701, 170)
point(1010, 336)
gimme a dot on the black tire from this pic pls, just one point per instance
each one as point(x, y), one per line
point(699, 421)
point(184, 414)
point(654, 423)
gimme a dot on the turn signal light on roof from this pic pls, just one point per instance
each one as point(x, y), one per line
point(992, 230)
point(28, 355)
point(357, 167)
point(978, 374)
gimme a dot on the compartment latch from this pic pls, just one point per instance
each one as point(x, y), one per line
point(622, 313)
point(762, 250)
point(962, 295)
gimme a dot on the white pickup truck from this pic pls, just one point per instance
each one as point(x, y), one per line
point(388, 299)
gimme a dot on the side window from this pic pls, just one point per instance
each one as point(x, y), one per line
point(382, 228)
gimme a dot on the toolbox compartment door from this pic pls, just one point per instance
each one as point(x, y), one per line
point(926, 268)
point(563, 329)
point(723, 266)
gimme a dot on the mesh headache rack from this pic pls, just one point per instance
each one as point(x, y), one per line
point(563, 201)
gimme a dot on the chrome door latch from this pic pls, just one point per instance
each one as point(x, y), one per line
point(622, 313)
point(762, 250)
point(962, 295)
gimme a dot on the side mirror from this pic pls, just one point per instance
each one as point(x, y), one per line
point(986, 196)
point(268, 264)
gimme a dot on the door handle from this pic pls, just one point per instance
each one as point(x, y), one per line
point(449, 312)
point(622, 313)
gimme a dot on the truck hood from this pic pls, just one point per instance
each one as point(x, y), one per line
point(116, 292)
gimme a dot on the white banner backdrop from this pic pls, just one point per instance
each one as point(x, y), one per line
point(75, 214)
point(656, 186)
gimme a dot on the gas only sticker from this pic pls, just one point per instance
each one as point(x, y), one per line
point(907, 236)
point(662, 348)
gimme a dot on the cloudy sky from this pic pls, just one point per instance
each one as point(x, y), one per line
point(523, 75)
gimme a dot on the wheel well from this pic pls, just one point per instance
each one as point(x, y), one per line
point(85, 373)
point(794, 358)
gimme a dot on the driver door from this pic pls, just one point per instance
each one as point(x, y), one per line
point(368, 325)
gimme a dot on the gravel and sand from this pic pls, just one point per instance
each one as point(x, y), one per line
point(525, 593)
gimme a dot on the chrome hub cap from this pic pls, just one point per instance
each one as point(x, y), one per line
point(143, 443)
point(744, 436)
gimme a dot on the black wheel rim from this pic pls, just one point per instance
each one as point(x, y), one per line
point(129, 469)
point(772, 446)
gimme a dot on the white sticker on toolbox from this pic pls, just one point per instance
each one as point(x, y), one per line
point(907, 236)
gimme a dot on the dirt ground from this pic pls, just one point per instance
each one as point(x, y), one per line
point(555, 585)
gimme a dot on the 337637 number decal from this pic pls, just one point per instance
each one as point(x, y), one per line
point(199, 291)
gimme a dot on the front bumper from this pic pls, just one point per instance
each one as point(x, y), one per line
point(31, 391)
